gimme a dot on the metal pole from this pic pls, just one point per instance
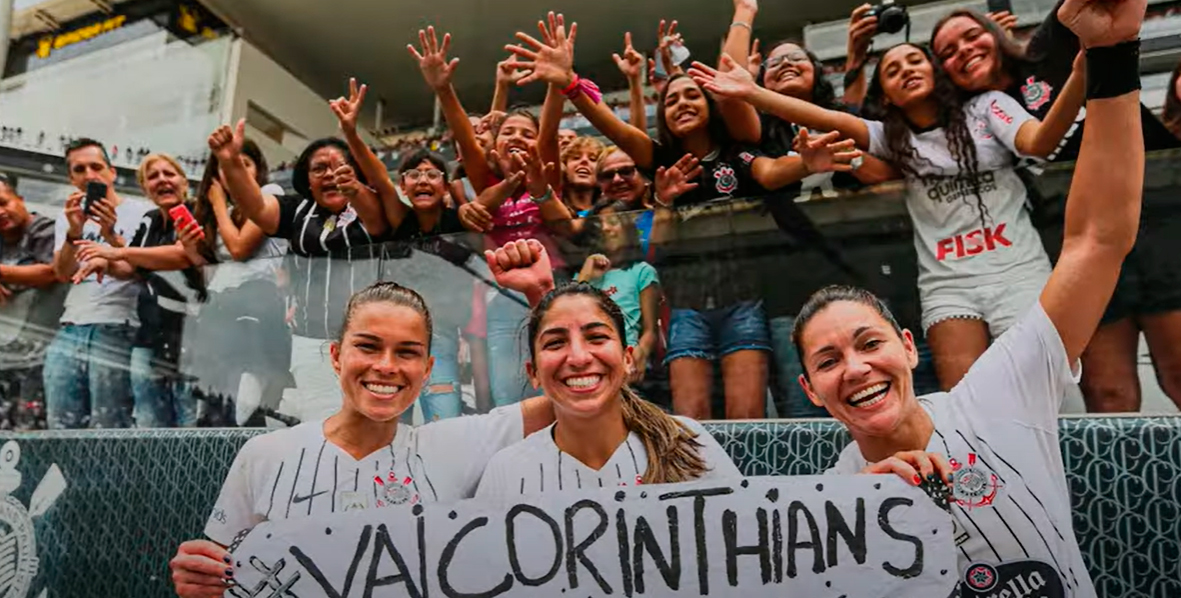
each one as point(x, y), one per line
point(380, 115)
point(438, 116)
point(5, 32)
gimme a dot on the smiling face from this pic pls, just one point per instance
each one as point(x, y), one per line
point(579, 169)
point(424, 185)
point(859, 368)
point(906, 76)
point(14, 216)
point(614, 231)
point(790, 71)
point(565, 136)
point(89, 164)
point(618, 178)
point(579, 358)
point(685, 108)
point(320, 178)
point(968, 52)
point(164, 184)
point(483, 133)
point(517, 135)
point(383, 360)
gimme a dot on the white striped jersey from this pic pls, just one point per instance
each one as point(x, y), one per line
point(538, 465)
point(296, 472)
point(1010, 501)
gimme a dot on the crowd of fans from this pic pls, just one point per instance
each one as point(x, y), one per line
point(212, 305)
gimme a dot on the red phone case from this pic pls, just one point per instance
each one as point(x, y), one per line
point(182, 216)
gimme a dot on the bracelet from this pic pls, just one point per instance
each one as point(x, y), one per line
point(741, 24)
point(1113, 70)
point(73, 239)
point(656, 199)
point(570, 90)
point(579, 85)
point(549, 195)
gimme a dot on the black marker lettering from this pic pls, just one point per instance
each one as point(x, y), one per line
point(793, 544)
point(426, 584)
point(314, 571)
point(645, 541)
point(575, 554)
point(515, 561)
point(621, 537)
point(777, 545)
point(916, 568)
point(382, 544)
point(854, 539)
point(449, 555)
point(699, 497)
point(733, 550)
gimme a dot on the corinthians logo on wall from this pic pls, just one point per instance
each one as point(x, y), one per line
point(18, 545)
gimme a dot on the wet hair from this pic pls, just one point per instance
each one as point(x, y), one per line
point(85, 142)
point(412, 160)
point(300, 180)
point(823, 93)
point(672, 447)
point(203, 212)
point(951, 117)
point(716, 126)
point(833, 294)
point(1011, 56)
point(1172, 110)
point(387, 292)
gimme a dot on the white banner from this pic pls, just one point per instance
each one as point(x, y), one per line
point(772, 536)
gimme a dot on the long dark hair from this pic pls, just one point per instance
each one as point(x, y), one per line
point(497, 125)
point(1011, 56)
point(833, 294)
point(951, 117)
point(823, 93)
point(1172, 111)
point(671, 446)
point(300, 179)
point(716, 126)
point(203, 211)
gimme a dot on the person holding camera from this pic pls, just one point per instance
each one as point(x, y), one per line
point(87, 365)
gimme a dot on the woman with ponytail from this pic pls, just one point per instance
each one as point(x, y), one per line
point(605, 435)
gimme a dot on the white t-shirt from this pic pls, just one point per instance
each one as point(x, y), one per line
point(296, 472)
point(538, 465)
point(263, 265)
point(999, 426)
point(112, 301)
point(951, 241)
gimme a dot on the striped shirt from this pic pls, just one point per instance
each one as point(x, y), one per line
point(296, 472)
point(1011, 504)
point(538, 465)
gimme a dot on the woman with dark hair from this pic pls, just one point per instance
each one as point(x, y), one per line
point(381, 355)
point(981, 262)
point(331, 224)
point(238, 349)
point(979, 57)
point(714, 317)
point(998, 428)
point(1172, 110)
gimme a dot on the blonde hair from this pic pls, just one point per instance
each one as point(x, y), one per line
point(141, 173)
point(581, 145)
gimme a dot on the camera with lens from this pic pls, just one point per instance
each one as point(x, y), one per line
point(892, 18)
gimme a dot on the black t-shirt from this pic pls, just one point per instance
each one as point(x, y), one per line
point(1051, 52)
point(314, 231)
point(410, 228)
point(723, 175)
point(164, 293)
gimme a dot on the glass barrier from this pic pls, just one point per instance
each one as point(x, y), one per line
point(708, 294)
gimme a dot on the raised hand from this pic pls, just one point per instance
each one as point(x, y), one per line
point(345, 178)
point(201, 569)
point(1005, 19)
point(632, 62)
point(522, 266)
point(666, 39)
point(536, 172)
point(433, 63)
point(594, 268)
point(347, 110)
point(1099, 23)
point(678, 179)
point(861, 29)
point(226, 143)
point(216, 195)
point(727, 81)
point(507, 73)
point(825, 153)
point(103, 213)
point(550, 60)
point(754, 60)
point(75, 217)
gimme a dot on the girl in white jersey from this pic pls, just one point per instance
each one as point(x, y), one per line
point(360, 457)
point(981, 261)
point(999, 426)
point(605, 434)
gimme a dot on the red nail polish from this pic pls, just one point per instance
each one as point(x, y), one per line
point(917, 480)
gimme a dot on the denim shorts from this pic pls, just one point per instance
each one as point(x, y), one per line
point(717, 332)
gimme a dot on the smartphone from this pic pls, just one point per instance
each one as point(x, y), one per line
point(95, 191)
point(1000, 6)
point(181, 216)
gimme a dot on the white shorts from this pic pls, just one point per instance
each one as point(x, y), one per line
point(999, 304)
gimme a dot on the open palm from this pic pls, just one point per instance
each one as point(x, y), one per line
point(432, 61)
point(550, 59)
point(347, 110)
point(632, 62)
point(728, 81)
point(678, 179)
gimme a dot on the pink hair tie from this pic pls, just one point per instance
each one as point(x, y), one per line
point(580, 85)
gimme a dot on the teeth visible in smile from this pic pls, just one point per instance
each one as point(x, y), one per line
point(869, 396)
point(583, 381)
point(973, 62)
point(381, 389)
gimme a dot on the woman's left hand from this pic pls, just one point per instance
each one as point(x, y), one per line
point(678, 179)
point(825, 153)
point(536, 173)
point(96, 266)
point(728, 81)
point(550, 60)
point(347, 110)
point(345, 179)
point(522, 266)
point(914, 467)
point(89, 250)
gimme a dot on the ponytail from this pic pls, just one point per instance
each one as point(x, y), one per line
point(671, 446)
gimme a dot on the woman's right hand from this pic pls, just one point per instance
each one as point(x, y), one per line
point(201, 569)
point(678, 179)
point(522, 266)
point(226, 143)
point(594, 268)
point(826, 153)
point(914, 467)
point(550, 60)
point(631, 63)
point(433, 63)
point(861, 31)
point(727, 81)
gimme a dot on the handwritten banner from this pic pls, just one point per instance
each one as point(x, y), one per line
point(816, 536)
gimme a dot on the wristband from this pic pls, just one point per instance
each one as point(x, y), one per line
point(740, 24)
point(1113, 70)
point(549, 195)
point(579, 85)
